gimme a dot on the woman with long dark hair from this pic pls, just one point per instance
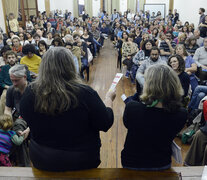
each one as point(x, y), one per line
point(64, 116)
point(177, 63)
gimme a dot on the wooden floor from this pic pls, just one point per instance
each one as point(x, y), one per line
point(102, 72)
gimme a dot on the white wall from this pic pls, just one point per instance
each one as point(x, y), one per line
point(188, 10)
point(2, 22)
point(166, 2)
point(96, 7)
point(41, 5)
point(61, 5)
point(123, 6)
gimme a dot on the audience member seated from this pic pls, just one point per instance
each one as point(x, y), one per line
point(199, 39)
point(5, 81)
point(152, 60)
point(16, 46)
point(42, 46)
point(57, 41)
point(177, 63)
point(20, 155)
point(84, 55)
point(167, 46)
point(76, 145)
point(69, 46)
point(153, 123)
point(23, 40)
point(31, 60)
point(36, 40)
point(8, 137)
point(129, 49)
point(3, 55)
point(29, 24)
point(191, 45)
point(190, 65)
point(197, 154)
point(104, 30)
point(1, 41)
point(120, 42)
point(97, 39)
point(200, 57)
point(88, 38)
point(142, 55)
point(78, 30)
point(29, 37)
point(199, 93)
point(49, 39)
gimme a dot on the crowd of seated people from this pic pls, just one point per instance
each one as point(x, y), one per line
point(40, 81)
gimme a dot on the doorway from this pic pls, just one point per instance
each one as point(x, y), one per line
point(81, 7)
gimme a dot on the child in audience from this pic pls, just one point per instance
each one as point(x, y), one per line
point(7, 138)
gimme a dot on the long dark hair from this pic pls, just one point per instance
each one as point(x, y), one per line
point(181, 62)
point(58, 84)
point(146, 51)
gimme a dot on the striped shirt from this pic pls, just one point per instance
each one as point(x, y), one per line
point(5, 140)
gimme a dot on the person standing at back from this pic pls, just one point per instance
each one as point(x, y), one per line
point(202, 16)
point(13, 24)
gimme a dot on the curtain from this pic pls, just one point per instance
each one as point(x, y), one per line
point(89, 7)
point(47, 7)
point(141, 4)
point(108, 6)
point(132, 4)
point(115, 5)
point(75, 8)
point(11, 6)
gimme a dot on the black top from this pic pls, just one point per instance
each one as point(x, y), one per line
point(193, 49)
point(13, 98)
point(185, 82)
point(150, 135)
point(74, 131)
point(89, 39)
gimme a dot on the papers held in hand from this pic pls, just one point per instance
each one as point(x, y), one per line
point(115, 81)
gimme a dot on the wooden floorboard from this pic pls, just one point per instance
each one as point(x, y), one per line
point(102, 73)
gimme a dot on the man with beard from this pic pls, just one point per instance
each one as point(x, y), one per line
point(152, 60)
point(18, 76)
point(5, 81)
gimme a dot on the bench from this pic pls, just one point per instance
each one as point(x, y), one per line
point(22, 173)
